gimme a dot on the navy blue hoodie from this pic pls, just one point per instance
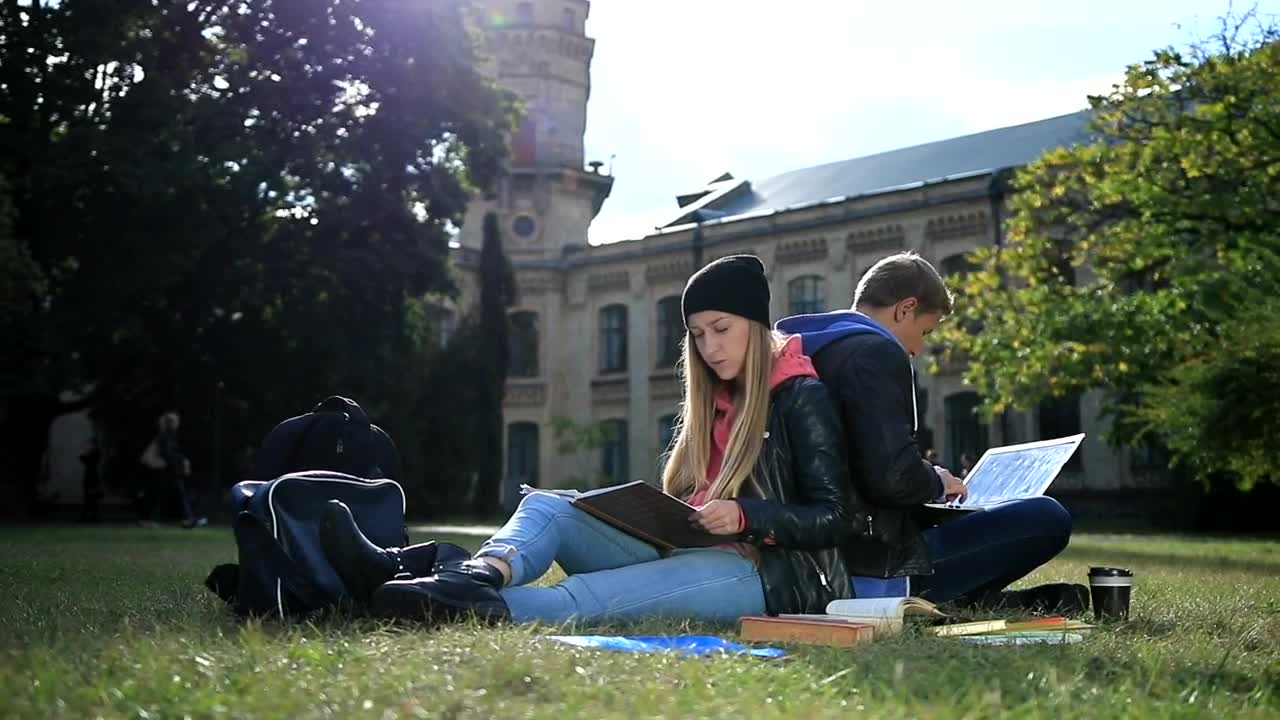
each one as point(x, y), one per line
point(819, 330)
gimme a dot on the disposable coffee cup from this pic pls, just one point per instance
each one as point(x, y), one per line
point(1110, 588)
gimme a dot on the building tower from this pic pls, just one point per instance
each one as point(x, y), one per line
point(540, 51)
point(546, 201)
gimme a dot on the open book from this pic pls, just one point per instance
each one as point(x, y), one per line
point(885, 614)
point(642, 511)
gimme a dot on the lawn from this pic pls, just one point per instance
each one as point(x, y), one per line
point(114, 622)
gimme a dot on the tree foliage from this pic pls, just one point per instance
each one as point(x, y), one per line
point(1146, 263)
point(497, 294)
point(258, 194)
point(581, 441)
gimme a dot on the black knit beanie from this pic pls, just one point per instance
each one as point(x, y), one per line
point(734, 284)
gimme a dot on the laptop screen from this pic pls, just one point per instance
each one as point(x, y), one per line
point(1021, 471)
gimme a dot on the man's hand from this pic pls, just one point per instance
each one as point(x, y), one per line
point(718, 517)
point(953, 488)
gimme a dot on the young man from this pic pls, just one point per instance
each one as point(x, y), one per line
point(864, 356)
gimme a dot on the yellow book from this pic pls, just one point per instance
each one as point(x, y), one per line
point(1057, 624)
point(1002, 627)
point(978, 627)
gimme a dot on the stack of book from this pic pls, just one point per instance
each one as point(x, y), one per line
point(851, 622)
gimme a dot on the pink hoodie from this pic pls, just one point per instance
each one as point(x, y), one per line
point(790, 362)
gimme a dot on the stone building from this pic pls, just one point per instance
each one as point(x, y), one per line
point(596, 331)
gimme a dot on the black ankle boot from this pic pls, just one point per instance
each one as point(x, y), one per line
point(456, 590)
point(1055, 598)
point(364, 566)
point(1051, 598)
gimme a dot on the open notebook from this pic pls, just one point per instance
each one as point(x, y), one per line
point(882, 611)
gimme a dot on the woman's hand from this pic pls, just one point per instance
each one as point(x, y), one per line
point(718, 517)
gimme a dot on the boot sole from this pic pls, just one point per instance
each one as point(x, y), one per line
point(395, 603)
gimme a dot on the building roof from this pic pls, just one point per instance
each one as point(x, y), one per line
point(981, 153)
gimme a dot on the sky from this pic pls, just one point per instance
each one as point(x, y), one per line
point(684, 90)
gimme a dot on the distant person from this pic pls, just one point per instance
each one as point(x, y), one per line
point(864, 356)
point(91, 482)
point(174, 469)
point(931, 455)
point(966, 464)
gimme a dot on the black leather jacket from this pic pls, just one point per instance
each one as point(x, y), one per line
point(870, 378)
point(798, 498)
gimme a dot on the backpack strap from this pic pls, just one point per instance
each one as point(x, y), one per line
point(339, 404)
point(312, 420)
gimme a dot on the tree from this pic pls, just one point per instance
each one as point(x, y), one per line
point(1146, 263)
point(497, 294)
point(21, 286)
point(581, 441)
point(249, 195)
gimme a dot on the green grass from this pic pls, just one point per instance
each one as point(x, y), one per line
point(114, 622)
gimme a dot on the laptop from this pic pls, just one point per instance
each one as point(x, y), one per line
point(1012, 472)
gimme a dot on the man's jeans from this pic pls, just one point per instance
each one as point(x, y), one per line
point(611, 575)
point(982, 553)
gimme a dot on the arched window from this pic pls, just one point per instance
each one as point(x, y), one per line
point(807, 294)
point(613, 338)
point(666, 432)
point(670, 331)
point(966, 434)
point(444, 321)
point(614, 452)
point(524, 13)
point(524, 345)
point(1060, 417)
point(522, 453)
point(569, 20)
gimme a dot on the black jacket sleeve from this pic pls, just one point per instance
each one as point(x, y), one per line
point(875, 389)
point(817, 516)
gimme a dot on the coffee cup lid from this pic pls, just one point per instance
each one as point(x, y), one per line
point(1109, 572)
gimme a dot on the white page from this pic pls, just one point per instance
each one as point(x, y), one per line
point(564, 493)
point(880, 608)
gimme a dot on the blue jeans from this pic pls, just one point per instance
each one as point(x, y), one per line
point(983, 552)
point(611, 575)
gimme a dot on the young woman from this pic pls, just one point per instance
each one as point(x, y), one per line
point(758, 452)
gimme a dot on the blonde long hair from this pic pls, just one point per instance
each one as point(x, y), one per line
point(691, 451)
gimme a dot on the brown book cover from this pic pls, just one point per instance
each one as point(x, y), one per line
point(645, 512)
point(815, 630)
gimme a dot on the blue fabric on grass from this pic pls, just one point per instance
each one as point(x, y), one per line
point(691, 645)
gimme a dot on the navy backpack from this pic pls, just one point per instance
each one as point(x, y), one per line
point(336, 435)
point(283, 570)
point(332, 453)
